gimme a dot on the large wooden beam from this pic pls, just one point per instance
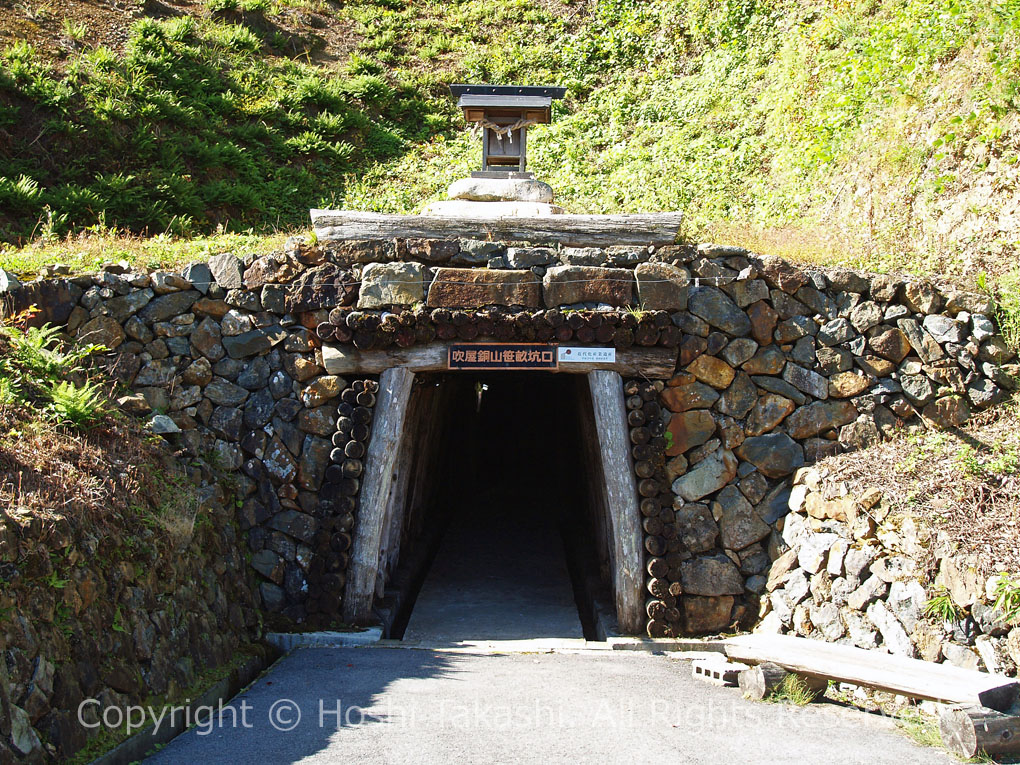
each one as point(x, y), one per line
point(621, 490)
point(371, 521)
point(886, 672)
point(632, 362)
point(569, 230)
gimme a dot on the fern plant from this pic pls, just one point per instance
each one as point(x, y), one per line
point(942, 607)
point(38, 350)
point(1007, 598)
point(81, 407)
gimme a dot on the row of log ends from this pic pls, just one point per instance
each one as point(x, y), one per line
point(403, 328)
point(327, 570)
point(665, 551)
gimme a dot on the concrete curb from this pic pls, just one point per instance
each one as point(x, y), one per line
point(142, 743)
point(288, 641)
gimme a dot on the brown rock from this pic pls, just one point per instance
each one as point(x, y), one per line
point(763, 322)
point(876, 366)
point(689, 429)
point(922, 297)
point(712, 371)
point(779, 273)
point(691, 347)
point(847, 385)
point(770, 410)
point(209, 307)
point(322, 390)
point(711, 576)
point(947, 412)
point(563, 285)
point(767, 361)
point(891, 344)
point(692, 395)
point(476, 287)
point(703, 615)
point(276, 268)
point(102, 330)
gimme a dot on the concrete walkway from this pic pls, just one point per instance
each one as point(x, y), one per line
point(418, 706)
point(500, 574)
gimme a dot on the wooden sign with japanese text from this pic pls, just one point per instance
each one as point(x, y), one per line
point(502, 356)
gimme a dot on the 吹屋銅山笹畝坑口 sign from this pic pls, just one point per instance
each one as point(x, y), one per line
point(502, 356)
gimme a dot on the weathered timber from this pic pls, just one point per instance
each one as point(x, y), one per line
point(642, 362)
point(895, 674)
point(568, 230)
point(618, 477)
point(969, 731)
point(759, 682)
point(380, 460)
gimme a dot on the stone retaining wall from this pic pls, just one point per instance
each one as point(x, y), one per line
point(855, 573)
point(776, 367)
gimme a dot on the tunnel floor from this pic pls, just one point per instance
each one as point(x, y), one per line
point(513, 505)
point(497, 576)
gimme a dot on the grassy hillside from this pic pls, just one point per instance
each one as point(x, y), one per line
point(884, 134)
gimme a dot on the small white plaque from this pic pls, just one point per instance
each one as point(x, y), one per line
point(587, 355)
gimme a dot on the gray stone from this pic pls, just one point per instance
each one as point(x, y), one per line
point(814, 551)
point(833, 360)
point(661, 286)
point(774, 454)
point(804, 351)
point(528, 257)
point(500, 190)
point(923, 343)
point(255, 374)
point(945, 329)
point(861, 631)
point(258, 409)
point(226, 421)
point(827, 621)
point(8, 282)
point(712, 576)
point(269, 564)
point(819, 417)
point(871, 589)
point(893, 634)
point(906, 600)
point(102, 330)
point(279, 462)
point(715, 307)
point(835, 332)
point(709, 475)
point(806, 381)
point(857, 561)
point(156, 373)
point(199, 275)
point(227, 270)
point(795, 587)
point(739, 524)
point(386, 284)
point(120, 308)
point(739, 351)
point(225, 393)
point(817, 301)
point(917, 388)
point(866, 315)
point(747, 291)
point(984, 393)
point(162, 425)
point(738, 399)
point(254, 342)
point(314, 460)
point(167, 307)
point(696, 527)
point(982, 327)
point(583, 256)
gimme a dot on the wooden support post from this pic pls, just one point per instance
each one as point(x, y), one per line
point(972, 730)
point(380, 462)
point(621, 490)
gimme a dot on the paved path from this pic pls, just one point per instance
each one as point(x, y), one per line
point(418, 706)
point(498, 576)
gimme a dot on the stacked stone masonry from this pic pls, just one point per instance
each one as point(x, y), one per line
point(776, 367)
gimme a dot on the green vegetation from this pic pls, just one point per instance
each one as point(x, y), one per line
point(820, 131)
point(793, 690)
point(942, 607)
point(1007, 597)
point(34, 372)
point(921, 728)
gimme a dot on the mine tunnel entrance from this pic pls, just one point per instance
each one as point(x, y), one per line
point(503, 537)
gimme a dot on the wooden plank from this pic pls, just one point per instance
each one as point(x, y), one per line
point(895, 674)
point(632, 362)
point(621, 490)
point(569, 230)
point(383, 449)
